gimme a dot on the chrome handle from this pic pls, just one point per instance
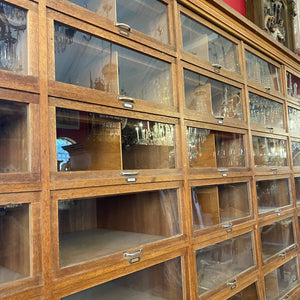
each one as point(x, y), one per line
point(282, 255)
point(274, 170)
point(270, 128)
point(267, 88)
point(228, 227)
point(217, 67)
point(127, 99)
point(222, 170)
point(128, 173)
point(278, 212)
point(220, 119)
point(131, 255)
point(123, 26)
point(232, 284)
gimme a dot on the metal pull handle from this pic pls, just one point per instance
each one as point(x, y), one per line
point(224, 172)
point(267, 88)
point(271, 128)
point(123, 26)
point(232, 284)
point(227, 227)
point(282, 255)
point(127, 99)
point(278, 212)
point(129, 173)
point(274, 170)
point(133, 257)
point(220, 119)
point(217, 67)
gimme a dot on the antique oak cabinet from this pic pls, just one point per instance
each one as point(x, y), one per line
point(149, 149)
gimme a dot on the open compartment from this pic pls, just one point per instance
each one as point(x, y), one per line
point(159, 282)
point(88, 61)
point(209, 96)
point(272, 194)
point(202, 41)
point(281, 280)
point(93, 227)
point(276, 237)
point(215, 149)
point(221, 203)
point(223, 261)
point(14, 137)
point(91, 141)
point(15, 258)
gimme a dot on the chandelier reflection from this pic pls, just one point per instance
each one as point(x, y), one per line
point(12, 37)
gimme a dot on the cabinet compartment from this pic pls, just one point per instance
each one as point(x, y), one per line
point(85, 60)
point(159, 282)
point(209, 96)
point(13, 38)
point(209, 45)
point(297, 187)
point(276, 237)
point(14, 242)
point(281, 280)
point(91, 141)
point(221, 262)
point(262, 72)
point(269, 152)
point(14, 137)
point(215, 149)
point(217, 204)
point(293, 85)
point(248, 293)
point(93, 227)
point(293, 118)
point(296, 153)
point(265, 112)
point(272, 194)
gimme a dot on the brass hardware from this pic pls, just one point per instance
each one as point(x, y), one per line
point(124, 28)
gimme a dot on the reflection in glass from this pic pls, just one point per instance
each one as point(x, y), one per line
point(218, 263)
point(281, 280)
point(14, 137)
point(214, 149)
point(147, 16)
point(208, 44)
point(272, 194)
point(14, 242)
point(262, 71)
point(296, 153)
point(294, 117)
point(219, 203)
point(159, 282)
point(248, 293)
point(102, 142)
point(13, 38)
point(210, 96)
point(87, 61)
point(265, 112)
point(93, 227)
point(276, 237)
point(269, 151)
point(293, 85)
point(297, 186)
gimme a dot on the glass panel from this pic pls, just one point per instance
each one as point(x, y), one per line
point(14, 137)
point(214, 149)
point(13, 38)
point(248, 293)
point(219, 263)
point(208, 44)
point(14, 242)
point(219, 203)
point(100, 142)
point(295, 153)
point(211, 96)
point(293, 85)
point(276, 237)
point(159, 282)
point(90, 228)
point(281, 280)
point(272, 194)
point(87, 61)
point(269, 152)
point(262, 71)
point(265, 112)
point(297, 186)
point(294, 116)
point(147, 16)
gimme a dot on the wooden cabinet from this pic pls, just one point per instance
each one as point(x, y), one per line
point(148, 150)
